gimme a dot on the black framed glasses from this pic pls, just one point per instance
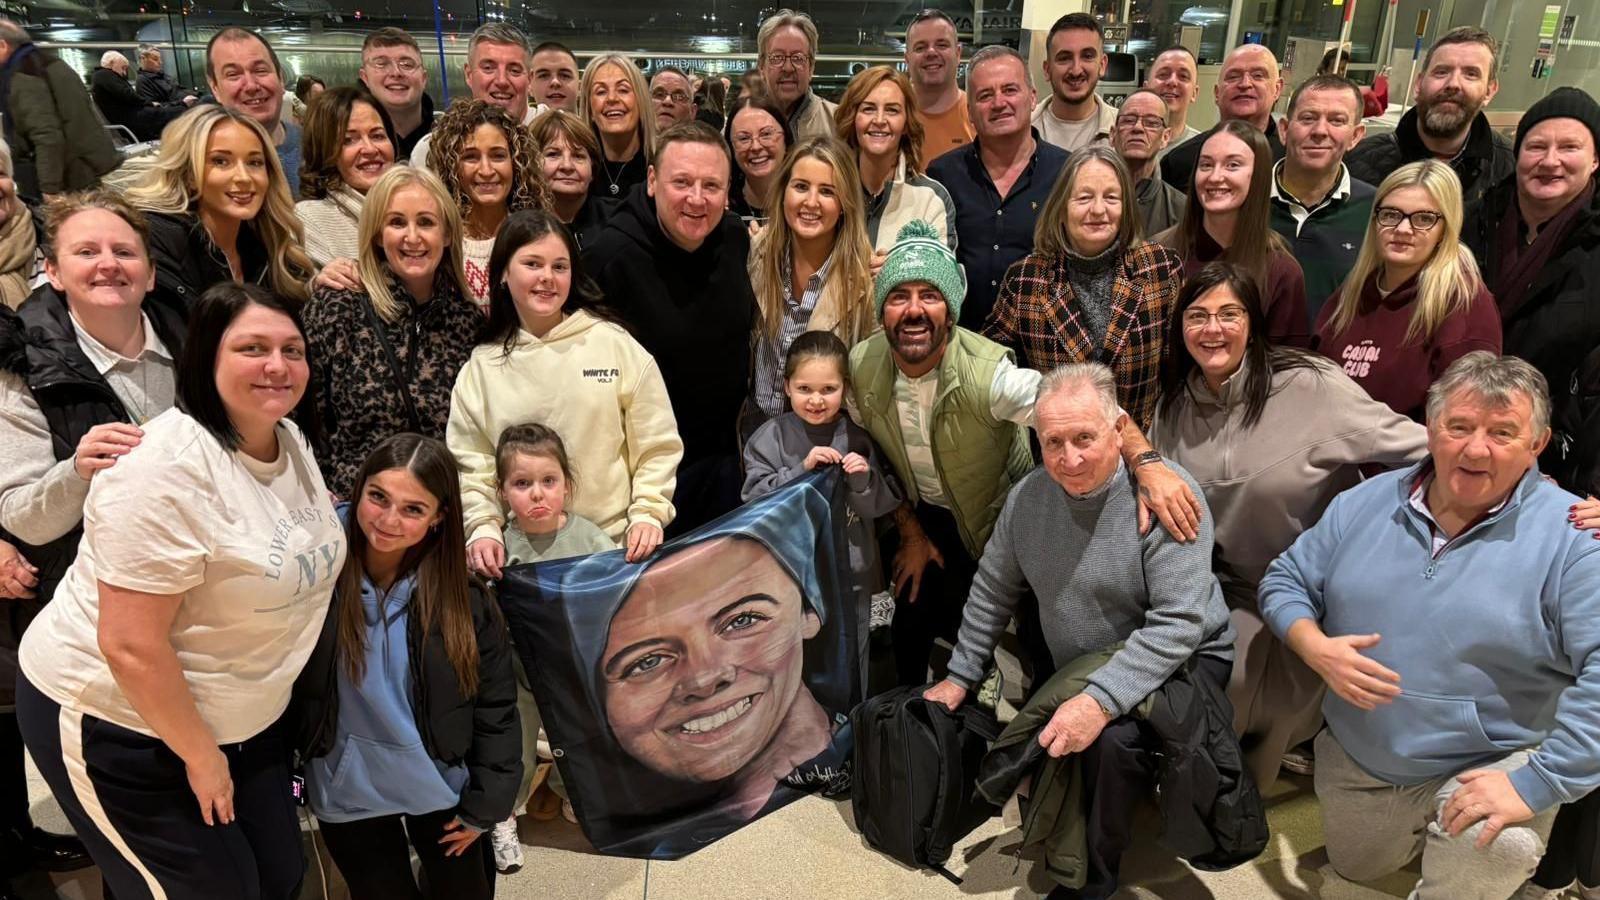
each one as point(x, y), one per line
point(1421, 220)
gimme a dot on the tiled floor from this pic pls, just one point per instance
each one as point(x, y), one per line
point(810, 849)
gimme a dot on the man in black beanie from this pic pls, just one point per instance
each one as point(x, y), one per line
point(1537, 239)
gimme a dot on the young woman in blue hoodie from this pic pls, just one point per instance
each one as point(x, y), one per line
point(407, 708)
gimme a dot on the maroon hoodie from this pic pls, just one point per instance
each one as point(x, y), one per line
point(1374, 350)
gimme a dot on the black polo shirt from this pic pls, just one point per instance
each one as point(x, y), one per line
point(993, 231)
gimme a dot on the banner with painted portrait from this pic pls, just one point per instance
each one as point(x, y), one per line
point(687, 695)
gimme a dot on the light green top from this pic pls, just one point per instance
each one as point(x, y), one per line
point(579, 537)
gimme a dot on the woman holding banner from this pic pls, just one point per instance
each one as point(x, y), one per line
point(407, 708)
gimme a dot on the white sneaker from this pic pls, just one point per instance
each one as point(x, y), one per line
point(507, 846)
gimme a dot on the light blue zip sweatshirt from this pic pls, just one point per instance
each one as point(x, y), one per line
point(1496, 638)
point(378, 765)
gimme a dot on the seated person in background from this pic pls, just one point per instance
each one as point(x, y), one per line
point(1462, 708)
point(1069, 533)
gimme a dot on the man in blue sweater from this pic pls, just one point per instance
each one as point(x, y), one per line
point(1455, 616)
point(1069, 532)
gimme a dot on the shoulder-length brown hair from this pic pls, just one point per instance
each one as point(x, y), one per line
point(1254, 241)
point(528, 190)
point(864, 83)
point(322, 137)
point(1050, 232)
point(442, 601)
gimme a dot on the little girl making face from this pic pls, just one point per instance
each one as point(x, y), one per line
point(815, 384)
point(536, 487)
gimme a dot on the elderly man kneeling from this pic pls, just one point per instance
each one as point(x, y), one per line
point(1455, 616)
point(1069, 532)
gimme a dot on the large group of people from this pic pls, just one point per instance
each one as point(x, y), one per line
point(280, 402)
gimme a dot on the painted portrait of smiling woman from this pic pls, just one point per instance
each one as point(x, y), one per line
point(717, 675)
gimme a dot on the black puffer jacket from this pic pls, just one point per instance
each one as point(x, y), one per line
point(39, 344)
point(187, 262)
point(482, 731)
point(1484, 161)
point(1555, 324)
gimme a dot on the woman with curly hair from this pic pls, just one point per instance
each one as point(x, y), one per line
point(490, 165)
point(614, 98)
point(219, 207)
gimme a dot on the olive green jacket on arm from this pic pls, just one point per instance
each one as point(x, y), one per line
point(60, 144)
point(978, 456)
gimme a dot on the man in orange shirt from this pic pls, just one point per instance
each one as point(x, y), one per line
point(932, 56)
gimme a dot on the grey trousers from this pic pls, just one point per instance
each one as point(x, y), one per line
point(1373, 828)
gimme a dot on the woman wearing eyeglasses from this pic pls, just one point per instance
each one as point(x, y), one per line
point(1236, 413)
point(760, 139)
point(1414, 303)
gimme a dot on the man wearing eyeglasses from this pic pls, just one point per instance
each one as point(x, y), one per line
point(1316, 205)
point(1140, 136)
point(1247, 89)
point(788, 44)
point(391, 68)
point(1073, 115)
point(671, 97)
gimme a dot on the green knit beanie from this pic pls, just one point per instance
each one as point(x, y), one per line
point(920, 255)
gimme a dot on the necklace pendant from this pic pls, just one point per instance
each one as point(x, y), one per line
point(613, 190)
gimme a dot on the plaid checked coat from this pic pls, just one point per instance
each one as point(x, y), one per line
point(1038, 317)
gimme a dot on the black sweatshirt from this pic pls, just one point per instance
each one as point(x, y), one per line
point(693, 311)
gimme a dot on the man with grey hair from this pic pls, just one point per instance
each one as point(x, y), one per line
point(787, 42)
point(499, 67)
point(1464, 707)
point(118, 101)
point(1069, 533)
point(1139, 137)
point(57, 141)
point(156, 86)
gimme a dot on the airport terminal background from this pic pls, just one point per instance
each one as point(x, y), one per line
point(811, 849)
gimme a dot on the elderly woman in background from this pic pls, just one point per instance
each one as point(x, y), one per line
point(348, 142)
point(19, 245)
point(569, 153)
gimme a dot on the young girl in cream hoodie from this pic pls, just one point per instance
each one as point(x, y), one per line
point(549, 357)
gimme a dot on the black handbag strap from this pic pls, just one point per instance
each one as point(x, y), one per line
point(395, 369)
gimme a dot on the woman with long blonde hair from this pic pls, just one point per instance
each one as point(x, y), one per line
point(490, 165)
point(811, 267)
point(615, 99)
point(1415, 302)
point(877, 120)
point(219, 207)
point(386, 356)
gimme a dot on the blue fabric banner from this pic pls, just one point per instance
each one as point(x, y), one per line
point(692, 693)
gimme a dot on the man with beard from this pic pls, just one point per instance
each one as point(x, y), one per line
point(1074, 115)
point(1000, 180)
point(391, 68)
point(499, 62)
point(788, 45)
point(947, 406)
point(1140, 138)
point(1247, 90)
point(932, 55)
point(1457, 81)
point(1316, 205)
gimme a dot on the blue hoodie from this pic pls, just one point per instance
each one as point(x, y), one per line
point(1495, 638)
point(378, 765)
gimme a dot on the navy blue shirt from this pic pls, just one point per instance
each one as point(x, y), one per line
point(993, 231)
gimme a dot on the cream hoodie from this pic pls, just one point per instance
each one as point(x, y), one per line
point(591, 382)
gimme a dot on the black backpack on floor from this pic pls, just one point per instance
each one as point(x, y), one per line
point(914, 771)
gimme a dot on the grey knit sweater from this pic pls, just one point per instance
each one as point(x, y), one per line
point(1098, 582)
